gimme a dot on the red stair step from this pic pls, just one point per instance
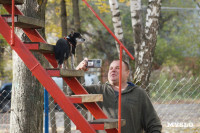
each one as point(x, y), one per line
point(17, 2)
point(40, 47)
point(24, 21)
point(55, 72)
point(87, 98)
point(102, 124)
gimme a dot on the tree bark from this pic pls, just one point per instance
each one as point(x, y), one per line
point(136, 18)
point(117, 24)
point(197, 2)
point(79, 49)
point(77, 26)
point(2, 61)
point(118, 30)
point(63, 18)
point(67, 122)
point(27, 92)
point(145, 50)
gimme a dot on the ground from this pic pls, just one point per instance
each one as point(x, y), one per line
point(173, 117)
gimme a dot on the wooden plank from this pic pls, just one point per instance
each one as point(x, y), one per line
point(17, 2)
point(71, 73)
point(108, 123)
point(56, 72)
point(46, 48)
point(24, 21)
point(86, 98)
point(40, 47)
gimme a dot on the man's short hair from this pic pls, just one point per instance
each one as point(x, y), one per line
point(126, 63)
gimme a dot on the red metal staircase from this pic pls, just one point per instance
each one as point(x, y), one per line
point(23, 49)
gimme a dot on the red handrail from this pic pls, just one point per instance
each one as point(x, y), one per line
point(120, 73)
point(120, 92)
point(119, 42)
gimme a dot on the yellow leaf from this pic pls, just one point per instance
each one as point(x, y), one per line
point(122, 1)
point(128, 3)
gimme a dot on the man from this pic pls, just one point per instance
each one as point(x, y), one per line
point(136, 107)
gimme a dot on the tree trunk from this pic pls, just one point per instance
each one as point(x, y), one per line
point(136, 18)
point(197, 2)
point(118, 30)
point(145, 50)
point(67, 123)
point(2, 62)
point(117, 24)
point(77, 26)
point(79, 49)
point(63, 18)
point(27, 92)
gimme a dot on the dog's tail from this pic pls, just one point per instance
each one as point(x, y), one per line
point(55, 52)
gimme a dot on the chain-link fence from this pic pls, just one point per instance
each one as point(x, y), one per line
point(177, 103)
point(5, 103)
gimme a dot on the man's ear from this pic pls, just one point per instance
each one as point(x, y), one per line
point(128, 72)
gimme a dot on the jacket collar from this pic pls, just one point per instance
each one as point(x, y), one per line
point(128, 89)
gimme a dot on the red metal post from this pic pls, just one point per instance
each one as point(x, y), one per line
point(120, 43)
point(120, 91)
point(120, 75)
point(13, 24)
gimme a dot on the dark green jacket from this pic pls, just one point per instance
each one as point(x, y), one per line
point(136, 108)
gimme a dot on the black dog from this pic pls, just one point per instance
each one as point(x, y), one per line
point(65, 47)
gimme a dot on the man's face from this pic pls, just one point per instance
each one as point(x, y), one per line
point(113, 73)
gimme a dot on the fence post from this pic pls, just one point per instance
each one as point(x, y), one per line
point(46, 111)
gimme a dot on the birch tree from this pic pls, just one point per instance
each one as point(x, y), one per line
point(27, 92)
point(136, 18)
point(117, 24)
point(118, 30)
point(145, 41)
point(197, 2)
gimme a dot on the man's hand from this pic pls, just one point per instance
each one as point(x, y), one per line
point(83, 65)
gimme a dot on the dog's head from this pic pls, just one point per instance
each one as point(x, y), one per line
point(77, 36)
